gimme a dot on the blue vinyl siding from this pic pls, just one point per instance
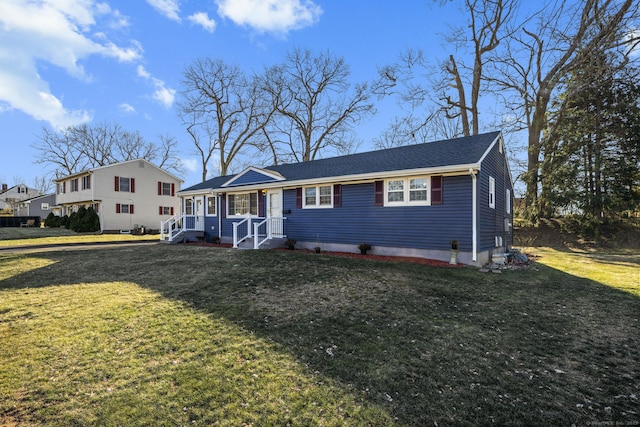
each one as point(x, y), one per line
point(251, 177)
point(358, 220)
point(491, 221)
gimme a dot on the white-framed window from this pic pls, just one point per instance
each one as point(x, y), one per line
point(212, 206)
point(74, 185)
point(320, 196)
point(125, 184)
point(507, 202)
point(166, 210)
point(188, 206)
point(123, 208)
point(86, 182)
point(407, 191)
point(44, 206)
point(492, 192)
point(166, 189)
point(418, 189)
point(395, 191)
point(242, 204)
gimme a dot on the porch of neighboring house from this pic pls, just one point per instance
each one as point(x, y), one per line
point(248, 233)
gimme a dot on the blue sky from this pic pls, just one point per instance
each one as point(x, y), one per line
point(65, 62)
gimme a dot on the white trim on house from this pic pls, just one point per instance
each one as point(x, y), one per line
point(406, 192)
point(318, 196)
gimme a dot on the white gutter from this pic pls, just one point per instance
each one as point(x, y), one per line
point(352, 179)
point(474, 215)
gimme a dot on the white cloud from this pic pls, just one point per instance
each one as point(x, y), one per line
point(190, 165)
point(127, 108)
point(163, 94)
point(277, 16)
point(168, 8)
point(202, 19)
point(142, 72)
point(55, 32)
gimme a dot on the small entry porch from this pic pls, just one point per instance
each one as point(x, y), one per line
point(248, 233)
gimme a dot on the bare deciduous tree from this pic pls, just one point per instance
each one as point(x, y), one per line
point(84, 147)
point(315, 105)
point(417, 84)
point(222, 109)
point(536, 60)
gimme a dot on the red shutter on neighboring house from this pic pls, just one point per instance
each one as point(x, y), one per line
point(173, 189)
point(117, 207)
point(133, 185)
point(337, 195)
point(117, 184)
point(379, 193)
point(171, 210)
point(131, 209)
point(160, 210)
point(159, 188)
point(436, 190)
point(299, 197)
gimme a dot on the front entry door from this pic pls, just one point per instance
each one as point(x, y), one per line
point(274, 211)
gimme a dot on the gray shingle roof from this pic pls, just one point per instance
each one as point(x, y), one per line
point(458, 151)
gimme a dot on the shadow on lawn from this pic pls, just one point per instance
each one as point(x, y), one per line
point(455, 347)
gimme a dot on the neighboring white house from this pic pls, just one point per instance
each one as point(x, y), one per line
point(130, 195)
point(10, 197)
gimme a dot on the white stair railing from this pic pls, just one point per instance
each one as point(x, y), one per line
point(175, 225)
point(239, 235)
point(170, 227)
point(273, 228)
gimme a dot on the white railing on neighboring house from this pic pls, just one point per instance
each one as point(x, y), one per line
point(264, 228)
point(269, 228)
point(177, 224)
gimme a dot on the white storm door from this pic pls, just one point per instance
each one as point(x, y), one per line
point(198, 213)
point(274, 213)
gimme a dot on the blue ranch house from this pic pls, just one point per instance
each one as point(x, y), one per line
point(422, 200)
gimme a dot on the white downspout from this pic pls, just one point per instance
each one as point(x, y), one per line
point(474, 216)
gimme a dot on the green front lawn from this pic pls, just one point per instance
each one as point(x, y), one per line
point(192, 335)
point(14, 236)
